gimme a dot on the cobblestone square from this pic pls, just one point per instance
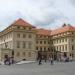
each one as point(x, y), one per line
point(35, 69)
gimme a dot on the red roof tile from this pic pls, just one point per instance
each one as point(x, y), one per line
point(21, 22)
point(63, 29)
point(43, 32)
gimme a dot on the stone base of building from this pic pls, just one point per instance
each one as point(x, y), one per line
point(18, 55)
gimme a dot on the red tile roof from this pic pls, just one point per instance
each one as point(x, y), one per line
point(63, 29)
point(21, 22)
point(43, 32)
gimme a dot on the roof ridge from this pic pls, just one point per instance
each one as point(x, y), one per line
point(21, 22)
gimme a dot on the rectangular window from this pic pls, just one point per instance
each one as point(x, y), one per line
point(18, 27)
point(60, 48)
point(18, 44)
point(24, 35)
point(62, 40)
point(37, 42)
point(29, 36)
point(57, 41)
point(63, 47)
point(66, 40)
point(24, 44)
point(30, 28)
point(40, 42)
point(44, 48)
point(18, 54)
point(29, 54)
point(40, 48)
point(29, 45)
point(72, 40)
point(48, 42)
point(18, 35)
point(66, 47)
point(44, 42)
point(36, 48)
point(24, 53)
point(57, 48)
point(72, 47)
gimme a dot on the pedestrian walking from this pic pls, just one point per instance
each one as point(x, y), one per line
point(45, 58)
point(52, 62)
point(49, 58)
point(40, 62)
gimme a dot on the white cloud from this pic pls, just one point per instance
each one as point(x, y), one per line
point(41, 13)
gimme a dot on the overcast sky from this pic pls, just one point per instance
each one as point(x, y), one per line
point(48, 14)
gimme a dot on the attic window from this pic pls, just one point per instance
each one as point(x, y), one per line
point(18, 27)
point(72, 33)
point(30, 28)
point(24, 27)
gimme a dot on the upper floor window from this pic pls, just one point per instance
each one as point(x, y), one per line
point(57, 41)
point(24, 53)
point(48, 42)
point(40, 48)
point(40, 42)
point(66, 47)
point(24, 44)
point(48, 49)
point(18, 44)
point(44, 42)
point(72, 40)
point(18, 54)
point(72, 47)
point(36, 48)
point(29, 45)
point(44, 48)
point(29, 36)
point(66, 40)
point(18, 35)
point(37, 42)
point(62, 40)
point(24, 35)
point(29, 54)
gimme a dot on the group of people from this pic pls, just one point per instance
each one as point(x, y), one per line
point(8, 61)
point(51, 60)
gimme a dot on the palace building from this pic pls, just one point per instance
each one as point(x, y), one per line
point(23, 41)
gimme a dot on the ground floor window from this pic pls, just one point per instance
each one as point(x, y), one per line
point(24, 53)
point(29, 54)
point(18, 54)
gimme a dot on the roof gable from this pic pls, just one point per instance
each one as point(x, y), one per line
point(21, 22)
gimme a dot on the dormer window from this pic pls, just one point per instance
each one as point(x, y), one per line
point(18, 27)
point(24, 27)
point(30, 28)
point(72, 33)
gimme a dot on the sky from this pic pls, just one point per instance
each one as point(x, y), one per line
point(49, 14)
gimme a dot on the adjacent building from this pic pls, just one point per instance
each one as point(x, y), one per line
point(23, 41)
